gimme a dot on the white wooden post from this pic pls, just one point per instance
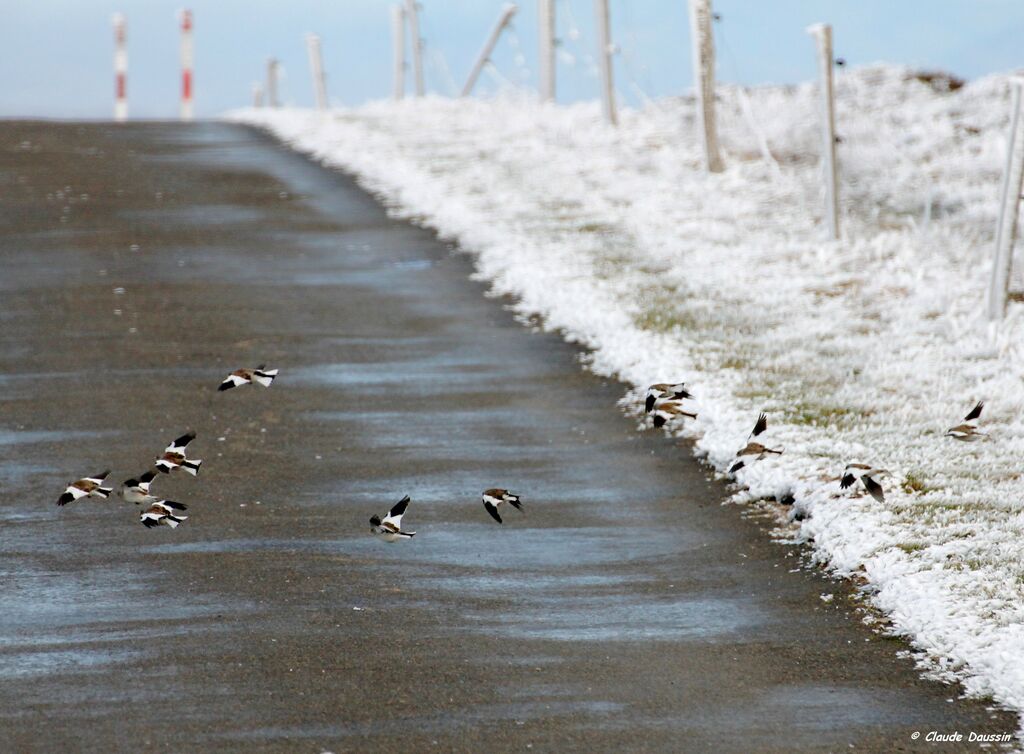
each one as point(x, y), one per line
point(412, 12)
point(257, 94)
point(823, 34)
point(546, 68)
point(120, 71)
point(604, 54)
point(316, 69)
point(272, 75)
point(398, 50)
point(702, 42)
point(186, 65)
point(1006, 226)
point(485, 53)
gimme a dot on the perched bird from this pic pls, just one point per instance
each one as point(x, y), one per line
point(665, 412)
point(162, 512)
point(240, 377)
point(86, 487)
point(137, 490)
point(174, 456)
point(494, 497)
point(754, 448)
point(665, 391)
point(391, 527)
point(968, 431)
point(867, 475)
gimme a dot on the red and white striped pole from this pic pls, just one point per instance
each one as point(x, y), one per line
point(186, 65)
point(120, 71)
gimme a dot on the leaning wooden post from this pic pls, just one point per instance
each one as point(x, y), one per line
point(1006, 226)
point(485, 53)
point(604, 54)
point(412, 12)
point(546, 46)
point(702, 42)
point(316, 69)
point(823, 34)
point(272, 74)
point(398, 50)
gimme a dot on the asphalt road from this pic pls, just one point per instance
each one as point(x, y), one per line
point(625, 610)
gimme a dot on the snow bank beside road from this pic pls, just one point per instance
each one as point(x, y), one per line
point(866, 349)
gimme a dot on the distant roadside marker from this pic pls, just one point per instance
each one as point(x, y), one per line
point(186, 65)
point(120, 70)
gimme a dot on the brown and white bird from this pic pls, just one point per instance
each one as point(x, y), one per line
point(495, 497)
point(137, 490)
point(174, 456)
point(868, 475)
point(390, 529)
point(89, 486)
point(669, 410)
point(968, 430)
point(162, 512)
point(754, 448)
point(661, 391)
point(260, 375)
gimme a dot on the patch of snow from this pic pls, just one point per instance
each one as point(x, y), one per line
point(865, 349)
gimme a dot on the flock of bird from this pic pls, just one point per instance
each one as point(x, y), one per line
point(664, 402)
point(137, 489)
point(161, 511)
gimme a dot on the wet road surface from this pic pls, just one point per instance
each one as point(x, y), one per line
point(626, 609)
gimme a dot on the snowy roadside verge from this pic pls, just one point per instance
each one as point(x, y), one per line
point(861, 350)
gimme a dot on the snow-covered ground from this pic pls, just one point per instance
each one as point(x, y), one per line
point(861, 350)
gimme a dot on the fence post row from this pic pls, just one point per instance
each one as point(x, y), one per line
point(546, 49)
point(412, 12)
point(604, 54)
point(485, 53)
point(120, 70)
point(186, 65)
point(272, 80)
point(823, 35)
point(702, 43)
point(1006, 226)
point(398, 50)
point(316, 69)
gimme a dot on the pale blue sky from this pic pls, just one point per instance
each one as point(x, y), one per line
point(56, 59)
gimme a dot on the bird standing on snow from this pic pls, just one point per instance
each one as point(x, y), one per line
point(162, 512)
point(668, 410)
point(241, 377)
point(390, 528)
point(494, 497)
point(867, 475)
point(86, 487)
point(137, 490)
point(663, 391)
point(968, 431)
point(753, 448)
point(174, 456)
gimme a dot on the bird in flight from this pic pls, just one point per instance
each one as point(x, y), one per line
point(162, 512)
point(495, 497)
point(174, 456)
point(89, 486)
point(867, 476)
point(754, 448)
point(390, 529)
point(662, 391)
point(239, 377)
point(137, 490)
point(968, 430)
